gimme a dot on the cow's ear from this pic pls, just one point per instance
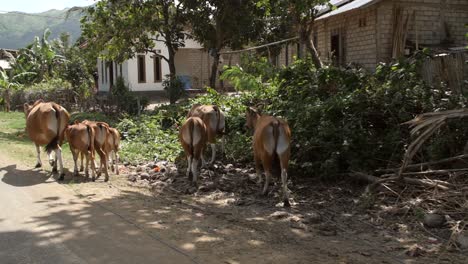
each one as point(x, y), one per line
point(77, 122)
point(252, 110)
point(26, 107)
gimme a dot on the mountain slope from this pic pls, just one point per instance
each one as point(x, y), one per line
point(19, 29)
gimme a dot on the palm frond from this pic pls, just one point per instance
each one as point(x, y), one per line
point(425, 126)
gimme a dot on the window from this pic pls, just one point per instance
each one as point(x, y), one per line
point(157, 69)
point(110, 65)
point(105, 71)
point(102, 72)
point(362, 22)
point(141, 68)
point(338, 47)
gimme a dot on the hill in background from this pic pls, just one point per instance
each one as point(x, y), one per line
point(19, 29)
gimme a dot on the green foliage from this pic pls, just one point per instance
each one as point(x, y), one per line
point(341, 119)
point(39, 57)
point(349, 119)
point(94, 116)
point(251, 76)
point(125, 100)
point(56, 90)
point(75, 69)
point(218, 24)
point(152, 136)
point(135, 26)
point(174, 88)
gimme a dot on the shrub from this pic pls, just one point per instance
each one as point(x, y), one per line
point(56, 90)
point(174, 89)
point(125, 100)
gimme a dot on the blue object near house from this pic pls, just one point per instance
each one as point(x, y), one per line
point(186, 80)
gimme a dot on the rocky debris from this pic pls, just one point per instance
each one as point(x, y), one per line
point(312, 218)
point(133, 177)
point(279, 215)
point(327, 230)
point(434, 220)
point(462, 240)
point(144, 176)
point(415, 251)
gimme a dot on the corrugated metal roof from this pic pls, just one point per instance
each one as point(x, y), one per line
point(325, 8)
point(348, 7)
point(5, 65)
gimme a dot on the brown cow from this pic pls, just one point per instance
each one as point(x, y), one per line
point(80, 137)
point(193, 136)
point(101, 132)
point(45, 125)
point(271, 140)
point(214, 120)
point(112, 147)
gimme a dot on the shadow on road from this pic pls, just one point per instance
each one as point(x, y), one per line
point(21, 178)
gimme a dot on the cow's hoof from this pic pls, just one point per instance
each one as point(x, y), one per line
point(54, 169)
point(106, 179)
point(81, 168)
point(93, 179)
point(286, 203)
point(62, 177)
point(38, 165)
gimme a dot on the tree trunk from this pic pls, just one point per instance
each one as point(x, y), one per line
point(309, 43)
point(214, 70)
point(305, 32)
point(7, 100)
point(172, 93)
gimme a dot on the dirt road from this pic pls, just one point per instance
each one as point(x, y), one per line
point(42, 221)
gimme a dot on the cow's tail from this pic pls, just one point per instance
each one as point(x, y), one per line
point(191, 131)
point(53, 144)
point(91, 141)
point(218, 117)
point(276, 161)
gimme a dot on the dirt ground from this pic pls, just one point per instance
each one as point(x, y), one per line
point(227, 221)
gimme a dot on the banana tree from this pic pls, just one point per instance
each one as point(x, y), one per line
point(8, 84)
point(39, 57)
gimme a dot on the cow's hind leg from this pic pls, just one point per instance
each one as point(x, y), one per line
point(258, 169)
point(86, 169)
point(93, 165)
point(213, 152)
point(103, 158)
point(81, 158)
point(58, 154)
point(75, 161)
point(39, 162)
point(195, 172)
point(284, 160)
point(267, 167)
point(189, 167)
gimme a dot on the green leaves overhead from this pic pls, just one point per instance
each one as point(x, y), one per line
point(117, 30)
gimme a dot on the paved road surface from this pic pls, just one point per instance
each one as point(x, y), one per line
point(42, 221)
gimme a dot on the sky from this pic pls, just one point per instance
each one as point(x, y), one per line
point(37, 6)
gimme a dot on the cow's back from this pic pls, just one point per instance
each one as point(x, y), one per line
point(41, 123)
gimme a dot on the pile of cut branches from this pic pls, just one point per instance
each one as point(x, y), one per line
point(437, 186)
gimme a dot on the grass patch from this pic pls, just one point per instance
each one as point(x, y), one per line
point(12, 122)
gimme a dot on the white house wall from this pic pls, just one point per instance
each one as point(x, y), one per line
point(149, 85)
point(130, 72)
